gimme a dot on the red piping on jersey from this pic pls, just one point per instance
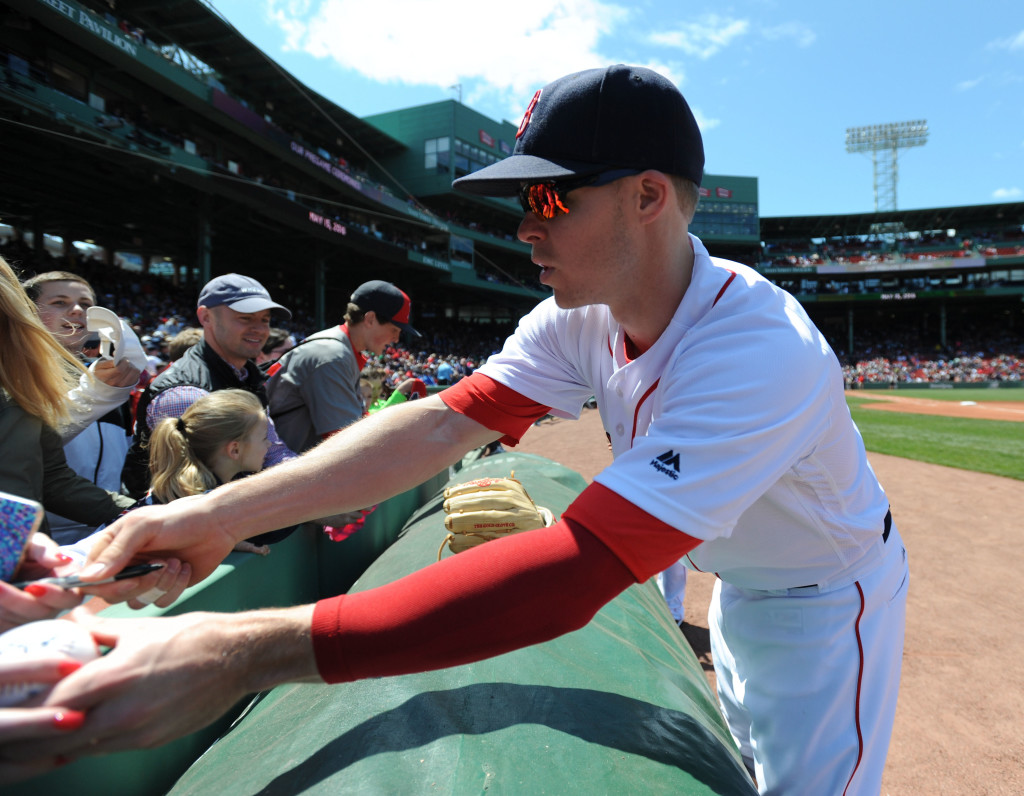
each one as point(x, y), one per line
point(860, 679)
point(724, 288)
point(653, 387)
point(636, 412)
point(692, 564)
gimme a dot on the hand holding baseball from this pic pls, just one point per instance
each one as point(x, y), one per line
point(166, 677)
point(33, 657)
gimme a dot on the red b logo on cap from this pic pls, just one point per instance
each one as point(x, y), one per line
point(529, 112)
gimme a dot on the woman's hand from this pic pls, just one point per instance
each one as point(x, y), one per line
point(33, 723)
point(37, 600)
point(122, 374)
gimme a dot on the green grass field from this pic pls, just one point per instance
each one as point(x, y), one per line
point(985, 446)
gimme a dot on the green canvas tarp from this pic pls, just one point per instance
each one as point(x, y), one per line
point(618, 707)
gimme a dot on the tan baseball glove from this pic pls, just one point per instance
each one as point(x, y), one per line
point(488, 508)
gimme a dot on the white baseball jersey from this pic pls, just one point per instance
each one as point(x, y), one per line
point(732, 427)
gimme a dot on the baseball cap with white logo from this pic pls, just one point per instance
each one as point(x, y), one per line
point(240, 293)
point(615, 118)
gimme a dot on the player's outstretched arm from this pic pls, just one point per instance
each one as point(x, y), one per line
point(366, 463)
point(170, 676)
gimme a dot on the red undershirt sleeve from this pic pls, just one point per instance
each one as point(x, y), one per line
point(494, 406)
point(645, 544)
point(495, 598)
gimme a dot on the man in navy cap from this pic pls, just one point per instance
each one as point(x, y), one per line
point(314, 388)
point(235, 313)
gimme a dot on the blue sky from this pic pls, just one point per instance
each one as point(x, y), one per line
point(774, 85)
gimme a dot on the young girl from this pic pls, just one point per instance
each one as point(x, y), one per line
point(220, 437)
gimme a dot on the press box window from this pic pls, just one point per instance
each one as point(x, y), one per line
point(435, 153)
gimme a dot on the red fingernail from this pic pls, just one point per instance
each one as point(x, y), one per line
point(64, 559)
point(64, 668)
point(68, 719)
point(35, 590)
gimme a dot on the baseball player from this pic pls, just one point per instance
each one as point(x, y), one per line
point(734, 450)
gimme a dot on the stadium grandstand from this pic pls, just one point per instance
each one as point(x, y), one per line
point(150, 146)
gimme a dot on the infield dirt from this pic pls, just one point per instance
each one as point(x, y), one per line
point(958, 724)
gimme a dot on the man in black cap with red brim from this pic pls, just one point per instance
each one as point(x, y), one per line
point(314, 387)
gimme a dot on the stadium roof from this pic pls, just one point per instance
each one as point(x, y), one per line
point(1010, 214)
point(247, 70)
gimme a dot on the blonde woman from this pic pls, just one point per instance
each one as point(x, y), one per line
point(37, 374)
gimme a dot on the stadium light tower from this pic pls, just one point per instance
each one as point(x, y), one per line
point(884, 142)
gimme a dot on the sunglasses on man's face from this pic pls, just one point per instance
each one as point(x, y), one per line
point(546, 199)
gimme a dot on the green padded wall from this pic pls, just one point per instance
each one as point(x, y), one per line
point(620, 706)
point(300, 569)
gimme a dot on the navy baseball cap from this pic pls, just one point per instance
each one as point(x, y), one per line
point(619, 117)
point(387, 302)
point(240, 293)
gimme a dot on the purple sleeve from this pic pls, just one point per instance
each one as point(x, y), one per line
point(278, 452)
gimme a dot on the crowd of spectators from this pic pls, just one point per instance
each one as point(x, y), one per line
point(963, 367)
point(901, 357)
point(928, 246)
point(158, 310)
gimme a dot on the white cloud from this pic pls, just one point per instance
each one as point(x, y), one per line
point(798, 31)
point(1007, 193)
point(1010, 43)
point(288, 15)
point(705, 123)
point(967, 85)
point(489, 48)
point(703, 38)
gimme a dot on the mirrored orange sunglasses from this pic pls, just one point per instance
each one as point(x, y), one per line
point(546, 199)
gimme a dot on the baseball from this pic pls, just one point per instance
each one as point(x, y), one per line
point(47, 638)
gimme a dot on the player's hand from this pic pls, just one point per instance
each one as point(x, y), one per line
point(182, 531)
point(160, 588)
point(165, 677)
point(123, 374)
point(30, 723)
point(170, 676)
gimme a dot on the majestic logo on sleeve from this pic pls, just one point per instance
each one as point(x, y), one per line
point(667, 463)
